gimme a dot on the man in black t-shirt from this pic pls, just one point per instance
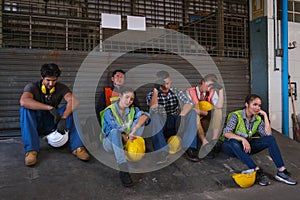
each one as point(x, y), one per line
point(40, 114)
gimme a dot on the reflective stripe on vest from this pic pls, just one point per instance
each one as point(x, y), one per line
point(240, 128)
point(193, 94)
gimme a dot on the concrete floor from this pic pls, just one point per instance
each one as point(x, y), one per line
point(60, 175)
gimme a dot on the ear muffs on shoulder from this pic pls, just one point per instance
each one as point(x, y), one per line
point(45, 90)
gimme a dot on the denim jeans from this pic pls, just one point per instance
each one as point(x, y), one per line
point(113, 143)
point(40, 122)
point(234, 148)
point(163, 127)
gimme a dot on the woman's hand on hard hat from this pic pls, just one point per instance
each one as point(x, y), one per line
point(246, 145)
point(131, 135)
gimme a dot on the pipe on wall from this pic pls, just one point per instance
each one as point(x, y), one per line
point(275, 34)
point(284, 69)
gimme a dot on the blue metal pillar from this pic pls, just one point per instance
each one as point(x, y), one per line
point(285, 69)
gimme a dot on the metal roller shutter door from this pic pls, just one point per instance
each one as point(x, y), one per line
point(19, 67)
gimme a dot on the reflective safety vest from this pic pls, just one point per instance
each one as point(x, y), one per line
point(110, 96)
point(126, 124)
point(240, 128)
point(195, 99)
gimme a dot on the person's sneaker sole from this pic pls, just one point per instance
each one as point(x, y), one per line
point(264, 184)
point(278, 178)
point(161, 161)
point(192, 159)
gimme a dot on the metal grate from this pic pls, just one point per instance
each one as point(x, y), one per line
point(220, 26)
point(293, 10)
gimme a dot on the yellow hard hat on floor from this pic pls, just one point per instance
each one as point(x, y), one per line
point(174, 143)
point(205, 106)
point(245, 179)
point(135, 150)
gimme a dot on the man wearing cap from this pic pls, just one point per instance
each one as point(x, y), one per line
point(39, 114)
point(167, 120)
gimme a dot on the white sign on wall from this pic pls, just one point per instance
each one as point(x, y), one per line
point(136, 23)
point(111, 21)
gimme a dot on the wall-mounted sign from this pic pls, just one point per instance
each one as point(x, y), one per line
point(257, 8)
point(111, 21)
point(136, 23)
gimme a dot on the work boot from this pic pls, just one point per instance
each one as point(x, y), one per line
point(30, 158)
point(125, 176)
point(81, 153)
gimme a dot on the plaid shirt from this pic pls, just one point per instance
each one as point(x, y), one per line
point(169, 104)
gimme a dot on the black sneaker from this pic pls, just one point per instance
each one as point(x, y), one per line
point(261, 178)
point(192, 155)
point(125, 179)
point(284, 176)
point(125, 176)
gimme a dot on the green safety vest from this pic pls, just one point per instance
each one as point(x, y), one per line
point(113, 109)
point(240, 128)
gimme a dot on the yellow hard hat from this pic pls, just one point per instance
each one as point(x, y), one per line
point(135, 150)
point(205, 105)
point(174, 143)
point(245, 178)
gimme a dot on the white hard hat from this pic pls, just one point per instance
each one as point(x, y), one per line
point(56, 139)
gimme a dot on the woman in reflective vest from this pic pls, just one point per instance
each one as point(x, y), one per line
point(121, 121)
point(247, 132)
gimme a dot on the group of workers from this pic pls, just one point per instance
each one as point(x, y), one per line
point(171, 112)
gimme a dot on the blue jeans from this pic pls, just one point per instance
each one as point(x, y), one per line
point(113, 143)
point(162, 128)
point(234, 148)
point(40, 122)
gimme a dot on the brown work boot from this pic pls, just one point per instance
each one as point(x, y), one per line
point(30, 158)
point(81, 153)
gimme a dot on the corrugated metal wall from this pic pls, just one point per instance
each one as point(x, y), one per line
point(19, 67)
